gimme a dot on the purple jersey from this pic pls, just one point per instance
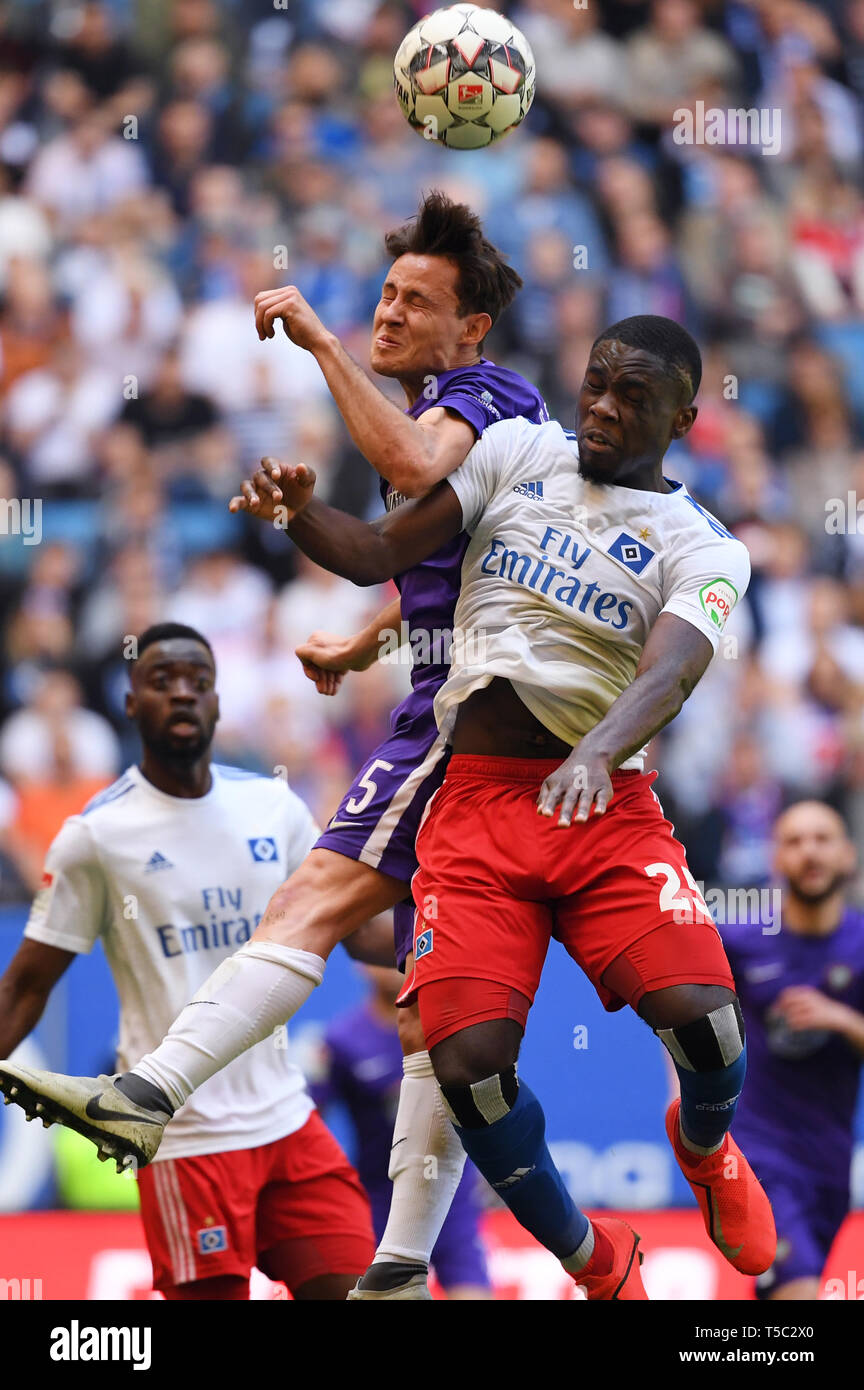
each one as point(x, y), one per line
point(797, 1108)
point(482, 394)
point(365, 1072)
point(378, 818)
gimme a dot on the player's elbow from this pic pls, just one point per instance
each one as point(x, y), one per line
point(373, 569)
point(414, 476)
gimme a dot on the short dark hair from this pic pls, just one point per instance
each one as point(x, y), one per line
point(486, 283)
point(164, 632)
point(663, 338)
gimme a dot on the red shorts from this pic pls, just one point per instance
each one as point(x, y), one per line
point(497, 881)
point(220, 1213)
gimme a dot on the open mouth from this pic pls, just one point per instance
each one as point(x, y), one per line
point(184, 727)
point(597, 439)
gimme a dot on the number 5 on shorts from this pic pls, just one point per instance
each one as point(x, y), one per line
point(359, 803)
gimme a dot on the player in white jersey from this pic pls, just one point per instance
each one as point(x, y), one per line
point(595, 597)
point(173, 867)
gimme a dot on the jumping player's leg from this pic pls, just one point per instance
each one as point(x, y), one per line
point(426, 1163)
point(264, 983)
point(631, 915)
point(502, 1127)
point(702, 1028)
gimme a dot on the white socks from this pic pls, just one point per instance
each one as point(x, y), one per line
point(249, 995)
point(426, 1163)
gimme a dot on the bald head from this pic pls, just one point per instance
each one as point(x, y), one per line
point(812, 851)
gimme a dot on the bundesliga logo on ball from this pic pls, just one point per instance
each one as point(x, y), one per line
point(464, 76)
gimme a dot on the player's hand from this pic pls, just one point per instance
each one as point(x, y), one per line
point(582, 784)
point(325, 658)
point(299, 320)
point(276, 491)
point(803, 1007)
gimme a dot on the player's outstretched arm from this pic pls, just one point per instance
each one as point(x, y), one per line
point(413, 455)
point(25, 986)
point(326, 657)
point(364, 552)
point(673, 661)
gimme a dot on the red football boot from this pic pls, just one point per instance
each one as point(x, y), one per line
point(735, 1209)
point(623, 1280)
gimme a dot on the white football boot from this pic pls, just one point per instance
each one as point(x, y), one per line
point(92, 1106)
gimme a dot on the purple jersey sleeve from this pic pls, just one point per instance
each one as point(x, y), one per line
point(482, 394)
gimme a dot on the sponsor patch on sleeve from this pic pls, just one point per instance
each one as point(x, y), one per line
point(718, 599)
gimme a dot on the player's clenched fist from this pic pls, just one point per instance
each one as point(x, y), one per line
point(302, 325)
point(276, 491)
point(326, 657)
point(581, 784)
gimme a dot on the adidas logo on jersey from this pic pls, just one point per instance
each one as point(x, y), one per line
point(157, 861)
point(532, 490)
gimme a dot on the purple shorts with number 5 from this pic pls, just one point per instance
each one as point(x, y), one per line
point(379, 816)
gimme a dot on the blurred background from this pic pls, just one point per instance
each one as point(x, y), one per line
point(158, 160)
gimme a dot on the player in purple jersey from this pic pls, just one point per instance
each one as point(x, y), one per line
point(362, 1068)
point(445, 288)
point(802, 995)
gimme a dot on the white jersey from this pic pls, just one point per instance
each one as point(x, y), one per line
point(564, 578)
point(173, 886)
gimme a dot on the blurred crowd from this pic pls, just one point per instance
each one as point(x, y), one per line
point(162, 161)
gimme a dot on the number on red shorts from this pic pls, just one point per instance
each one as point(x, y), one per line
point(681, 907)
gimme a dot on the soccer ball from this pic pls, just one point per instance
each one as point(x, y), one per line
point(464, 76)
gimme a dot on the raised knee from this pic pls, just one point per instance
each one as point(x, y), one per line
point(712, 1042)
point(681, 1004)
point(478, 1052)
point(477, 1104)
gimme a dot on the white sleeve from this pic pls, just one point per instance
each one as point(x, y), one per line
point(70, 908)
point(301, 830)
point(703, 585)
point(476, 479)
